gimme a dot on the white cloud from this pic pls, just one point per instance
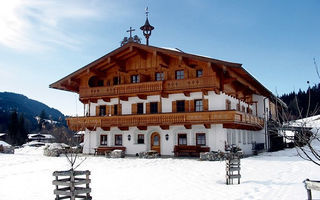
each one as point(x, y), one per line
point(37, 24)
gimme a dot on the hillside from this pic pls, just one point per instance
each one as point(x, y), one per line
point(28, 107)
point(303, 99)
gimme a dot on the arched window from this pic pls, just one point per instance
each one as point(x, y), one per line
point(95, 81)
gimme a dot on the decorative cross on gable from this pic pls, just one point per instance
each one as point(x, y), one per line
point(131, 30)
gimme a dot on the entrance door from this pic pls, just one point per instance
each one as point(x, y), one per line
point(155, 142)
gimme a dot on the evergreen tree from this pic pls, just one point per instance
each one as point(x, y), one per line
point(42, 117)
point(22, 132)
point(13, 128)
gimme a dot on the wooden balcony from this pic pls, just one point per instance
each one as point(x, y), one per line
point(148, 88)
point(229, 119)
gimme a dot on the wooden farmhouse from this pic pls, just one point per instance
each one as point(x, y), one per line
point(141, 98)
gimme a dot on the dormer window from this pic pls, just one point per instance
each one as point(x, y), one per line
point(135, 79)
point(179, 74)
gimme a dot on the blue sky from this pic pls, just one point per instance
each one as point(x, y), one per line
point(42, 41)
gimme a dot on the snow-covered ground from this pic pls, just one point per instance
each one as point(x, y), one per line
point(27, 174)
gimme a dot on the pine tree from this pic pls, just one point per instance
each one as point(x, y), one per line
point(13, 128)
point(22, 132)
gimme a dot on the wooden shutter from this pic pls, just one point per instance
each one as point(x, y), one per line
point(159, 107)
point(119, 109)
point(174, 106)
point(192, 106)
point(97, 110)
point(205, 105)
point(148, 107)
point(112, 109)
point(134, 108)
point(108, 110)
point(186, 106)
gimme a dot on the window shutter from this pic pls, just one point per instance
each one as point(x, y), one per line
point(108, 110)
point(174, 106)
point(119, 109)
point(192, 106)
point(134, 108)
point(112, 110)
point(159, 107)
point(97, 110)
point(186, 106)
point(148, 108)
point(205, 105)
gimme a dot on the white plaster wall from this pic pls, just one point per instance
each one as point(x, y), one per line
point(260, 104)
point(218, 101)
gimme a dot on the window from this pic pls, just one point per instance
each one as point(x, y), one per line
point(229, 142)
point(234, 137)
point(115, 109)
point(103, 139)
point(140, 139)
point(100, 83)
point(179, 74)
point(243, 109)
point(159, 76)
point(180, 106)
point(228, 105)
point(102, 110)
point(140, 108)
point(154, 107)
point(118, 140)
point(199, 73)
point(201, 139)
point(116, 80)
point(182, 139)
point(238, 107)
point(135, 79)
point(239, 136)
point(198, 105)
point(244, 137)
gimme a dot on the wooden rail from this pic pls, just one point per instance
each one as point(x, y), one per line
point(209, 117)
point(148, 87)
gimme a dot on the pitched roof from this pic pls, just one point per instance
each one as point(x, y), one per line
point(126, 49)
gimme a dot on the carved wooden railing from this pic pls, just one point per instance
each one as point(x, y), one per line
point(209, 117)
point(194, 83)
point(148, 87)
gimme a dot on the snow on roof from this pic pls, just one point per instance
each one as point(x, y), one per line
point(4, 144)
point(173, 49)
point(312, 122)
point(2, 134)
point(80, 133)
point(33, 135)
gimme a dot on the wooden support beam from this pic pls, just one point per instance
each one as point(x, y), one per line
point(142, 96)
point(207, 126)
point(123, 128)
point(164, 95)
point(97, 72)
point(84, 101)
point(142, 128)
point(105, 128)
point(143, 54)
point(229, 80)
point(123, 98)
point(106, 99)
point(186, 93)
point(93, 100)
point(164, 127)
point(165, 58)
point(188, 126)
point(204, 92)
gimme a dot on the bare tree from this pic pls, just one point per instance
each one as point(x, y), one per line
point(306, 137)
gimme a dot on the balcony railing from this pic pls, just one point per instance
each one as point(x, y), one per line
point(210, 117)
point(148, 87)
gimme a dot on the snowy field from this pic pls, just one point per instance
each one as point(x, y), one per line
point(27, 175)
